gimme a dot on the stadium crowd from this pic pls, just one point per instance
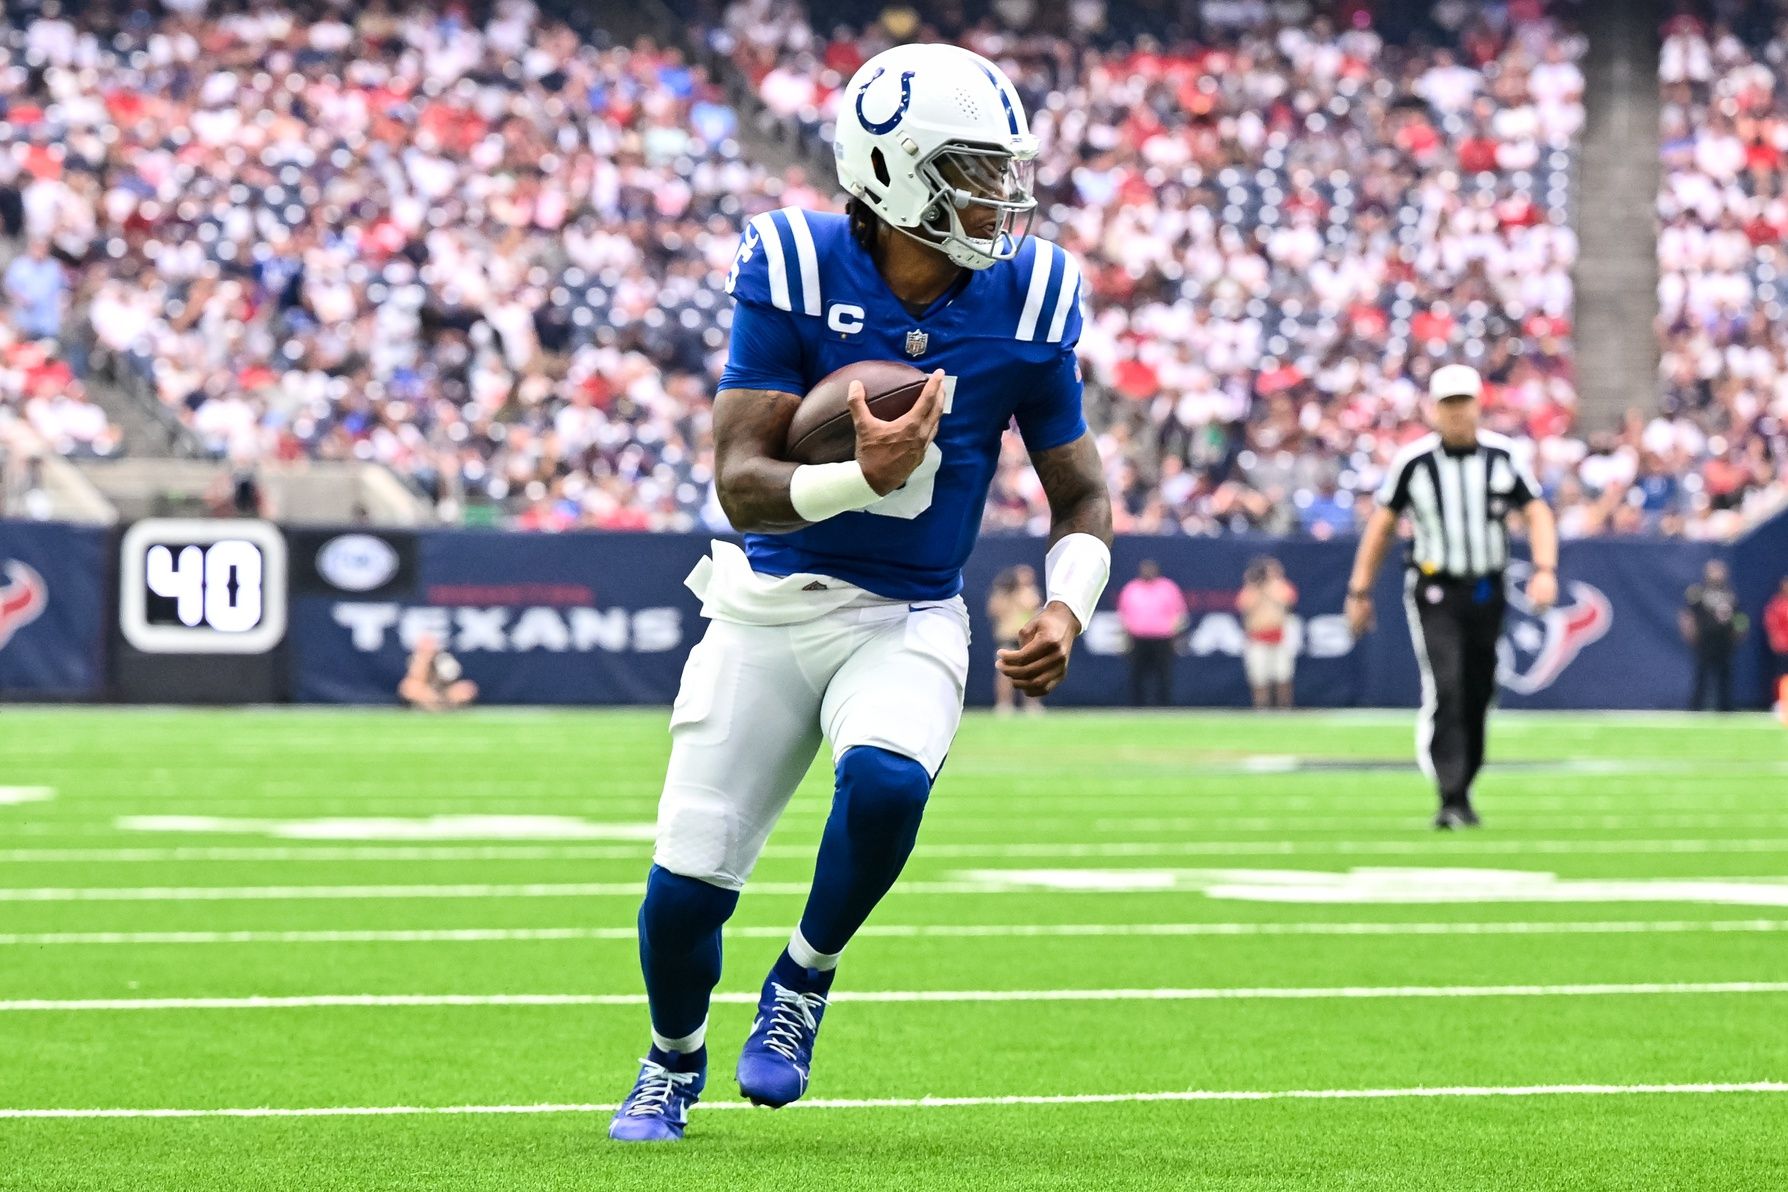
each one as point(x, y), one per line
point(467, 244)
point(1721, 434)
point(1284, 228)
point(482, 252)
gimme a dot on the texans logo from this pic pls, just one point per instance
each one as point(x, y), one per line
point(1536, 648)
point(22, 599)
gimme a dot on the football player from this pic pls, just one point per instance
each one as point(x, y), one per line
point(841, 616)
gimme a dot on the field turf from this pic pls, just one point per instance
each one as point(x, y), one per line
point(1169, 951)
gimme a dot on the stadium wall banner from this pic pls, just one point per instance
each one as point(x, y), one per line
point(584, 618)
point(1612, 641)
point(604, 618)
point(53, 610)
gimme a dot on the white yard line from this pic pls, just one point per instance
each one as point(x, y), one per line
point(487, 935)
point(1521, 1090)
point(26, 794)
point(1424, 845)
point(1216, 993)
point(1287, 807)
point(632, 889)
point(1416, 846)
point(1552, 821)
point(1022, 882)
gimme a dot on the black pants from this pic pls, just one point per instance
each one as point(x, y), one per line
point(1713, 679)
point(1455, 625)
point(1151, 665)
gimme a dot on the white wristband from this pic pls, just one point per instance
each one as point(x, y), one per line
point(1074, 572)
point(819, 491)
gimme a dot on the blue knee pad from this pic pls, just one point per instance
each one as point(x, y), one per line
point(881, 794)
point(681, 913)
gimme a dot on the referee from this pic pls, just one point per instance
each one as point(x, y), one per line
point(1458, 487)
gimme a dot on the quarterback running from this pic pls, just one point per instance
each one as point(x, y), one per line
point(841, 618)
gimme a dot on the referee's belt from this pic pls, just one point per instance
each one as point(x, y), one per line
point(1428, 573)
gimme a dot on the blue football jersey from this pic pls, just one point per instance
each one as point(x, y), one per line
point(809, 300)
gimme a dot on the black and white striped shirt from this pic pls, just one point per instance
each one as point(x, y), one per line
point(1458, 501)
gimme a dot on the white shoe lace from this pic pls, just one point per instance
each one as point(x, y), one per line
point(793, 1014)
point(657, 1084)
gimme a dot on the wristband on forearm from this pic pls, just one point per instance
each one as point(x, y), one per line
point(820, 491)
point(1075, 571)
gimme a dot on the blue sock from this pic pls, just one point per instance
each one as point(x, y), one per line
point(679, 951)
point(792, 974)
point(869, 835)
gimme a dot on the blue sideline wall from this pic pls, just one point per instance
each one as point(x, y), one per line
point(594, 618)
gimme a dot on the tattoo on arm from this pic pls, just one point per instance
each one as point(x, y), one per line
point(1074, 481)
point(750, 429)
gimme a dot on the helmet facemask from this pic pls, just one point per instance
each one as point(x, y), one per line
point(976, 189)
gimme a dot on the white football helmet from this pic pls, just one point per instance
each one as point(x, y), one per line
point(929, 134)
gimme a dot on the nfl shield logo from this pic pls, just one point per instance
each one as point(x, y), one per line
point(916, 342)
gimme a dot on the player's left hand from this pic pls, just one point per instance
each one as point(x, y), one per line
point(1542, 590)
point(1040, 662)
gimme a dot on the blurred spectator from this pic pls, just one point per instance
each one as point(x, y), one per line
point(42, 405)
point(1266, 602)
point(36, 291)
point(239, 493)
point(1712, 625)
point(1011, 604)
point(22, 492)
point(1775, 627)
point(1152, 610)
point(433, 681)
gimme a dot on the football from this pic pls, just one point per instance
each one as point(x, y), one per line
point(822, 431)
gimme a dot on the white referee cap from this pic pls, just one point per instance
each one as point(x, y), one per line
point(1455, 380)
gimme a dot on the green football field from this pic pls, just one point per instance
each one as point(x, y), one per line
point(357, 949)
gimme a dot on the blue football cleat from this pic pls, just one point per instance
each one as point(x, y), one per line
point(778, 1054)
point(657, 1110)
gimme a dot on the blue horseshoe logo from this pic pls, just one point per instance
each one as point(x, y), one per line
point(878, 127)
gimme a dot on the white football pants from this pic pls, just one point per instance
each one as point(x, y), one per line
point(755, 700)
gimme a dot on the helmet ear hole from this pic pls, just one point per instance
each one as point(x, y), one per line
point(880, 164)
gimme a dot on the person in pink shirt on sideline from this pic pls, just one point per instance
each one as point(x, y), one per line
point(1775, 627)
point(1152, 610)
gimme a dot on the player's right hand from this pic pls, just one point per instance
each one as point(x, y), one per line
point(888, 452)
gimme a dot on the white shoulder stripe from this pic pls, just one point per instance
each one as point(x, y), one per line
point(807, 257)
point(1066, 298)
point(1520, 456)
point(1041, 262)
point(774, 261)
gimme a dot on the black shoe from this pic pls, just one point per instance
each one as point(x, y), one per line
point(1456, 815)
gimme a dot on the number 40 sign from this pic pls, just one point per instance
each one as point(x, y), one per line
point(202, 587)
